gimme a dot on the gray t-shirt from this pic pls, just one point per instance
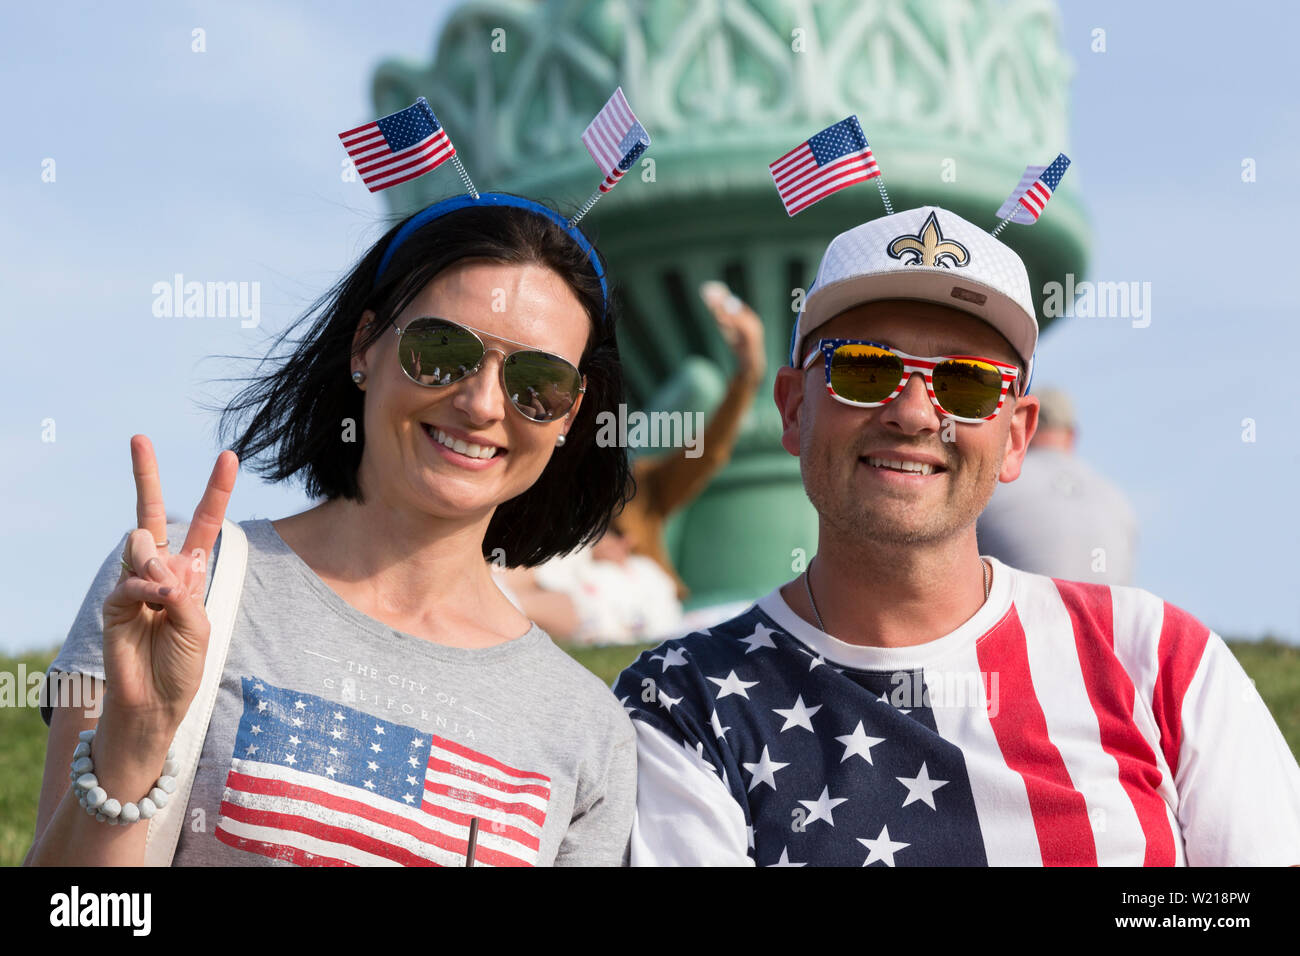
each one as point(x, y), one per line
point(337, 740)
point(1062, 519)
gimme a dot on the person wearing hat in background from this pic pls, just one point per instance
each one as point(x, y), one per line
point(1060, 518)
point(906, 702)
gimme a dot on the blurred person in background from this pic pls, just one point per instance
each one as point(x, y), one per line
point(625, 589)
point(1061, 518)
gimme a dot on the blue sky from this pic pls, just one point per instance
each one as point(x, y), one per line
point(224, 166)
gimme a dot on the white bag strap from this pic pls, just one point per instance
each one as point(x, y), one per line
point(221, 606)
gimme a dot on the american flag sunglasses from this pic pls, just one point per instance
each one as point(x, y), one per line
point(966, 388)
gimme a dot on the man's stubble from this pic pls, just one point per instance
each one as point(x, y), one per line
point(888, 520)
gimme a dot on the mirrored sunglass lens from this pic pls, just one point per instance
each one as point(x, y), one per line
point(542, 386)
point(967, 388)
point(434, 352)
point(865, 373)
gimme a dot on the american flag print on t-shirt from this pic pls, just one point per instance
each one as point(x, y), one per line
point(317, 783)
point(1051, 733)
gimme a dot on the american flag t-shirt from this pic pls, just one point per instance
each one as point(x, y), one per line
point(317, 783)
point(398, 147)
point(824, 164)
point(1064, 724)
point(1036, 186)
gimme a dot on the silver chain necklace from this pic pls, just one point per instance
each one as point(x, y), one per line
point(807, 577)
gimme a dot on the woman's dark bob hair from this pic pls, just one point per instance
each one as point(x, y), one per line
point(295, 413)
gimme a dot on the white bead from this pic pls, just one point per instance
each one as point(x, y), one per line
point(95, 799)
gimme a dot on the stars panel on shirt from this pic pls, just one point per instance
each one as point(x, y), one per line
point(820, 746)
point(764, 770)
point(858, 744)
point(309, 736)
point(800, 715)
point(731, 684)
point(671, 657)
point(785, 859)
point(921, 787)
point(760, 638)
point(822, 808)
point(882, 848)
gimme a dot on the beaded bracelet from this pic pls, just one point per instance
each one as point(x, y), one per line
point(96, 801)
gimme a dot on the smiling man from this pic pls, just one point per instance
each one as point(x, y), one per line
point(905, 701)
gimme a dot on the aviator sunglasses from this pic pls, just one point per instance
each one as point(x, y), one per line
point(435, 352)
point(966, 388)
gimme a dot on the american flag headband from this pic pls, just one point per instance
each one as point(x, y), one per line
point(455, 203)
point(405, 145)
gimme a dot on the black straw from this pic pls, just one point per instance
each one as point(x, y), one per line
point(473, 841)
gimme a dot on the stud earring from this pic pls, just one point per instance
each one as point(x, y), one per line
point(559, 441)
point(358, 376)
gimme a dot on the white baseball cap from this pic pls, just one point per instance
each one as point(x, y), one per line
point(931, 255)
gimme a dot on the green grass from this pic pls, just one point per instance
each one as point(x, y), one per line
point(22, 761)
point(606, 662)
point(1274, 667)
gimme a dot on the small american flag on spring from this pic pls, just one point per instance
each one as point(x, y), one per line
point(1036, 186)
point(615, 139)
point(398, 147)
point(318, 783)
point(823, 164)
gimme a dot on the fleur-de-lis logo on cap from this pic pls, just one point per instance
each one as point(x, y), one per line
point(929, 248)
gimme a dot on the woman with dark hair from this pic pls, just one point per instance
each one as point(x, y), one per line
point(382, 701)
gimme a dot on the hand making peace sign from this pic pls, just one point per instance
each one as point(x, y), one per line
point(155, 626)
